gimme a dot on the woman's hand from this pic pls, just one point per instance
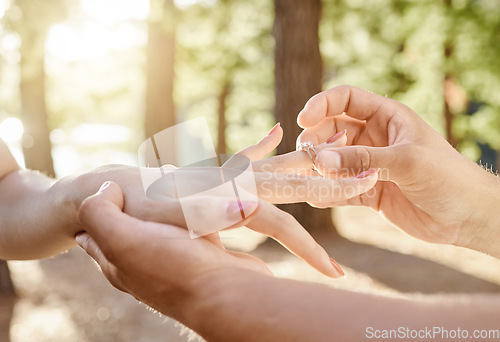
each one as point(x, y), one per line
point(202, 199)
point(165, 206)
point(426, 187)
point(290, 178)
point(215, 211)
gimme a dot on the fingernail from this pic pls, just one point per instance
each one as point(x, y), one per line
point(104, 186)
point(274, 129)
point(367, 173)
point(337, 268)
point(80, 240)
point(239, 210)
point(329, 160)
point(336, 137)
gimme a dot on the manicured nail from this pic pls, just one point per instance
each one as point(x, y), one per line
point(274, 129)
point(239, 210)
point(104, 186)
point(367, 173)
point(337, 268)
point(336, 137)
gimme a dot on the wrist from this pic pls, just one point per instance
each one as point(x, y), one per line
point(65, 192)
point(482, 231)
point(213, 299)
point(70, 192)
point(73, 190)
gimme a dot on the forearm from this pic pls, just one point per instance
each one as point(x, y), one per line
point(254, 307)
point(37, 218)
point(481, 231)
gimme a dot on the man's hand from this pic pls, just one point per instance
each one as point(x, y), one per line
point(157, 263)
point(426, 187)
point(227, 296)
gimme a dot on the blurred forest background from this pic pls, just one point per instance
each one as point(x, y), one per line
point(84, 82)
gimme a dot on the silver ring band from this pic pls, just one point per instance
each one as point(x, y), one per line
point(307, 147)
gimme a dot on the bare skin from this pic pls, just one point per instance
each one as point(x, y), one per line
point(430, 191)
point(38, 215)
point(426, 187)
point(228, 296)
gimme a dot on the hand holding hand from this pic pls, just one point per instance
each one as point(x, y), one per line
point(276, 181)
point(158, 264)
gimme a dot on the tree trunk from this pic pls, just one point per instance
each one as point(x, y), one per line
point(6, 286)
point(36, 142)
point(298, 76)
point(7, 301)
point(160, 108)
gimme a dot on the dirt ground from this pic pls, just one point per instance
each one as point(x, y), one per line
point(67, 299)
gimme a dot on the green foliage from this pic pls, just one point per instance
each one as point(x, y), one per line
point(228, 41)
point(406, 49)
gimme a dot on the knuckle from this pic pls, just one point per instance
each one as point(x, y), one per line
point(343, 88)
point(406, 158)
point(276, 160)
point(294, 181)
point(345, 92)
point(363, 158)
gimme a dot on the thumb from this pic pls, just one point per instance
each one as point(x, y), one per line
point(352, 160)
point(101, 214)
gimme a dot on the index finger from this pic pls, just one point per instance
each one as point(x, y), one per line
point(331, 126)
point(353, 101)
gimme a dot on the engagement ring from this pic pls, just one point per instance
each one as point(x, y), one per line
point(308, 147)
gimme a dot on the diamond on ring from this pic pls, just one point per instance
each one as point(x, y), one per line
point(307, 147)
